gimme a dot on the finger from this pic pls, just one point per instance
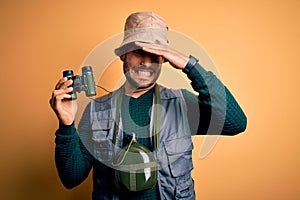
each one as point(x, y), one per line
point(67, 84)
point(62, 91)
point(60, 82)
point(63, 83)
point(62, 97)
point(159, 52)
point(57, 98)
point(56, 93)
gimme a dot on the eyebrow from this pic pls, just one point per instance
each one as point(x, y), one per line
point(139, 51)
point(142, 52)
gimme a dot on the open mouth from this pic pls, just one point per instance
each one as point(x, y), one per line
point(142, 72)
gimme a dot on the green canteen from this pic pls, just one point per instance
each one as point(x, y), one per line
point(135, 168)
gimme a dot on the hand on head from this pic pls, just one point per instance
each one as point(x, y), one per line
point(175, 58)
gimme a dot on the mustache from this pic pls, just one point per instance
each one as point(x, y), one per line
point(151, 68)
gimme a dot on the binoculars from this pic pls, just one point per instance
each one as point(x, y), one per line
point(82, 83)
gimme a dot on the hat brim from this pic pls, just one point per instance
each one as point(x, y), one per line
point(125, 48)
point(131, 46)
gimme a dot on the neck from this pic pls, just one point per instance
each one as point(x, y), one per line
point(134, 92)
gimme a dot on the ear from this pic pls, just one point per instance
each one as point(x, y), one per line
point(123, 57)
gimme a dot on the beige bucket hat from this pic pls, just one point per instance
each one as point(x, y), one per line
point(146, 27)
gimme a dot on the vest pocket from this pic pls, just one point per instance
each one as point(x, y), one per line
point(102, 144)
point(103, 150)
point(179, 154)
point(185, 188)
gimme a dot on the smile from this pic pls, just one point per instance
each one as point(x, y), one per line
point(142, 72)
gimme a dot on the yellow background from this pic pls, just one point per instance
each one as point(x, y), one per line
point(255, 45)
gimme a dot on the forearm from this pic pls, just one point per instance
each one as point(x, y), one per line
point(73, 161)
point(219, 111)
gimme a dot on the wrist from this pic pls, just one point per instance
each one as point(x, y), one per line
point(67, 129)
point(190, 64)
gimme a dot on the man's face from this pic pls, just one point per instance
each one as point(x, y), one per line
point(141, 69)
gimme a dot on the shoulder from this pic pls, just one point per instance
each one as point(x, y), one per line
point(106, 101)
point(169, 93)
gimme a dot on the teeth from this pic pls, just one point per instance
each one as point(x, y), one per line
point(143, 73)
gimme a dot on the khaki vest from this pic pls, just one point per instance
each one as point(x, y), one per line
point(174, 155)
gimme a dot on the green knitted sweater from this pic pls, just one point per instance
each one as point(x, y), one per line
point(74, 162)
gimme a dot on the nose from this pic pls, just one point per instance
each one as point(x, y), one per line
point(146, 59)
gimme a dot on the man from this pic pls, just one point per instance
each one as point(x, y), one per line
point(143, 112)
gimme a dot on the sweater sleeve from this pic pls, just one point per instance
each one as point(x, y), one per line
point(219, 112)
point(72, 159)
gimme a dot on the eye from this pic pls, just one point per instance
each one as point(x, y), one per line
point(155, 57)
point(139, 52)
